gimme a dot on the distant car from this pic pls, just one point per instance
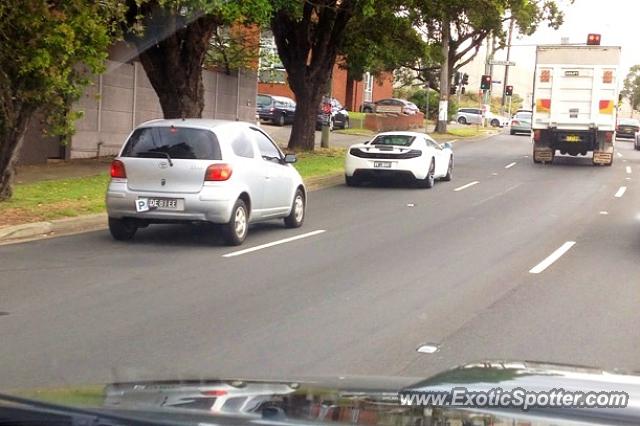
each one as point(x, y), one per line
point(197, 170)
point(338, 117)
point(627, 128)
point(410, 155)
point(474, 116)
point(521, 123)
point(279, 110)
point(404, 106)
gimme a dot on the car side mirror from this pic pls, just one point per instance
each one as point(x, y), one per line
point(447, 145)
point(290, 158)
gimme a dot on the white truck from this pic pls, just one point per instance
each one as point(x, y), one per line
point(575, 99)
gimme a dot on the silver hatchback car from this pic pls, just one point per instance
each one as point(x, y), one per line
point(199, 170)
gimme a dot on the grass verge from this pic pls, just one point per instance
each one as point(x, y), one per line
point(468, 132)
point(70, 197)
point(355, 131)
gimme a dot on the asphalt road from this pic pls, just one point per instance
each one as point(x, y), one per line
point(394, 268)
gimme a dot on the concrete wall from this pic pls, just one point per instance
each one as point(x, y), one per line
point(123, 97)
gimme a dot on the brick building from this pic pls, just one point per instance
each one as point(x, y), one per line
point(351, 93)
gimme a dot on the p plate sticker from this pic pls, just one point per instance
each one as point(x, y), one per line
point(142, 205)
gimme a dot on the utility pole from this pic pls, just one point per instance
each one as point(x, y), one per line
point(506, 67)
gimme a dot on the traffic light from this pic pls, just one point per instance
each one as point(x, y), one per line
point(593, 39)
point(453, 90)
point(485, 83)
point(508, 91)
point(465, 79)
point(456, 78)
point(463, 90)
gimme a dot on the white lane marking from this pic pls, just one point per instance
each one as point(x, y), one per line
point(510, 165)
point(628, 170)
point(460, 188)
point(552, 258)
point(619, 154)
point(624, 161)
point(621, 191)
point(526, 156)
point(274, 243)
point(604, 212)
point(627, 178)
point(494, 174)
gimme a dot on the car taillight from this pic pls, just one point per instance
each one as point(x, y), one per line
point(536, 135)
point(117, 170)
point(218, 172)
point(272, 109)
point(515, 123)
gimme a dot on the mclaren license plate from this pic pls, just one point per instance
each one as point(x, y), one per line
point(382, 164)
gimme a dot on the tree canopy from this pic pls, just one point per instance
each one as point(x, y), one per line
point(47, 50)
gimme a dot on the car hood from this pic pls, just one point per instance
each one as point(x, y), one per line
point(375, 400)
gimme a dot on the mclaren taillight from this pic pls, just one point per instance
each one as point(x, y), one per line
point(117, 170)
point(218, 172)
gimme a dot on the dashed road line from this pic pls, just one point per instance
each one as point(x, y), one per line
point(621, 192)
point(540, 267)
point(460, 188)
point(274, 243)
point(628, 169)
point(510, 165)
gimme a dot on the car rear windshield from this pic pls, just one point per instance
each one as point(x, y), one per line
point(263, 100)
point(396, 140)
point(178, 142)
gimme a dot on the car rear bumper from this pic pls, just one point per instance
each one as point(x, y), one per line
point(521, 129)
point(625, 135)
point(414, 167)
point(211, 204)
point(266, 115)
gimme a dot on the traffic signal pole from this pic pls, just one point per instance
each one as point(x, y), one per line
point(506, 68)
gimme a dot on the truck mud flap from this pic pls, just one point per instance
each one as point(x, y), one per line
point(603, 157)
point(542, 155)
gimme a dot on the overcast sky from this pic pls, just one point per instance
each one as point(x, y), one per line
point(618, 21)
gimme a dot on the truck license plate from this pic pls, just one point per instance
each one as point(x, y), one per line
point(573, 138)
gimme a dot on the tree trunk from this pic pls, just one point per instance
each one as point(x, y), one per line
point(303, 130)
point(308, 48)
point(441, 127)
point(11, 135)
point(172, 53)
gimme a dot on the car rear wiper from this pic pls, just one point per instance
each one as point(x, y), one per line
point(157, 154)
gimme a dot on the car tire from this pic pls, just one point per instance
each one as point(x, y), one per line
point(234, 232)
point(351, 180)
point(449, 175)
point(298, 211)
point(122, 229)
point(367, 110)
point(345, 125)
point(462, 120)
point(280, 120)
point(429, 180)
point(495, 123)
point(512, 132)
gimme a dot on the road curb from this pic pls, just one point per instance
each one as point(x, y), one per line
point(94, 222)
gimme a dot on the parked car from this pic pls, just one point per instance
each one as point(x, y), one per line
point(279, 110)
point(627, 128)
point(339, 116)
point(411, 155)
point(521, 123)
point(197, 170)
point(474, 116)
point(406, 107)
